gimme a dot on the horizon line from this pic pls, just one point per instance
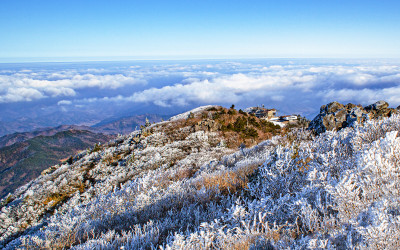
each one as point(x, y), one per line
point(73, 59)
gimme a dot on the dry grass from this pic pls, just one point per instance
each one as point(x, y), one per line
point(65, 241)
point(250, 241)
point(183, 174)
point(303, 164)
point(179, 175)
point(111, 159)
point(244, 244)
point(228, 182)
point(56, 198)
point(80, 186)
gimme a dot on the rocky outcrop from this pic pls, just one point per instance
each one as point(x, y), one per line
point(337, 116)
point(206, 125)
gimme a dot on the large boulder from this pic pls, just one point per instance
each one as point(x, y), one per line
point(335, 116)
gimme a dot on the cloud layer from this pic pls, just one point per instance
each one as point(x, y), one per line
point(301, 85)
point(284, 85)
point(29, 86)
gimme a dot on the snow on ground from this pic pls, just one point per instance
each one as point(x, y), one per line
point(193, 111)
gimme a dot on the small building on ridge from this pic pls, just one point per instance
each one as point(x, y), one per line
point(261, 112)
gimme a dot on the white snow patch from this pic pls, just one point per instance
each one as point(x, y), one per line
point(194, 111)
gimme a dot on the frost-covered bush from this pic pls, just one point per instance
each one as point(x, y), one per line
point(339, 190)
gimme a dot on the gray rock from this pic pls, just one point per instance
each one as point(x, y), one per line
point(356, 114)
point(206, 125)
point(333, 107)
point(379, 105)
point(335, 116)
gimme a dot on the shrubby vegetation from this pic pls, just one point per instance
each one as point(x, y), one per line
point(336, 190)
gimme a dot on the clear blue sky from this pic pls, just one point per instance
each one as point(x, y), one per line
point(199, 28)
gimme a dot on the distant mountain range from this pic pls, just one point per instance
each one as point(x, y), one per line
point(10, 139)
point(116, 124)
point(110, 126)
point(40, 122)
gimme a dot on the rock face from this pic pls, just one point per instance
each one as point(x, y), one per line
point(337, 116)
point(206, 125)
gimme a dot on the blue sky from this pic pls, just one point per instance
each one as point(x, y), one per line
point(199, 29)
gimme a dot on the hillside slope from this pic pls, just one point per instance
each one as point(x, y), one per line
point(37, 150)
point(182, 184)
point(184, 143)
point(23, 161)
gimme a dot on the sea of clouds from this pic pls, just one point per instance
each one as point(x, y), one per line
point(291, 86)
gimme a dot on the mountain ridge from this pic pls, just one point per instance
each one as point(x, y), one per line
point(183, 184)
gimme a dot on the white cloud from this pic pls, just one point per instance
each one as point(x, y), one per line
point(61, 91)
point(56, 84)
point(64, 102)
point(363, 96)
point(230, 88)
point(21, 94)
